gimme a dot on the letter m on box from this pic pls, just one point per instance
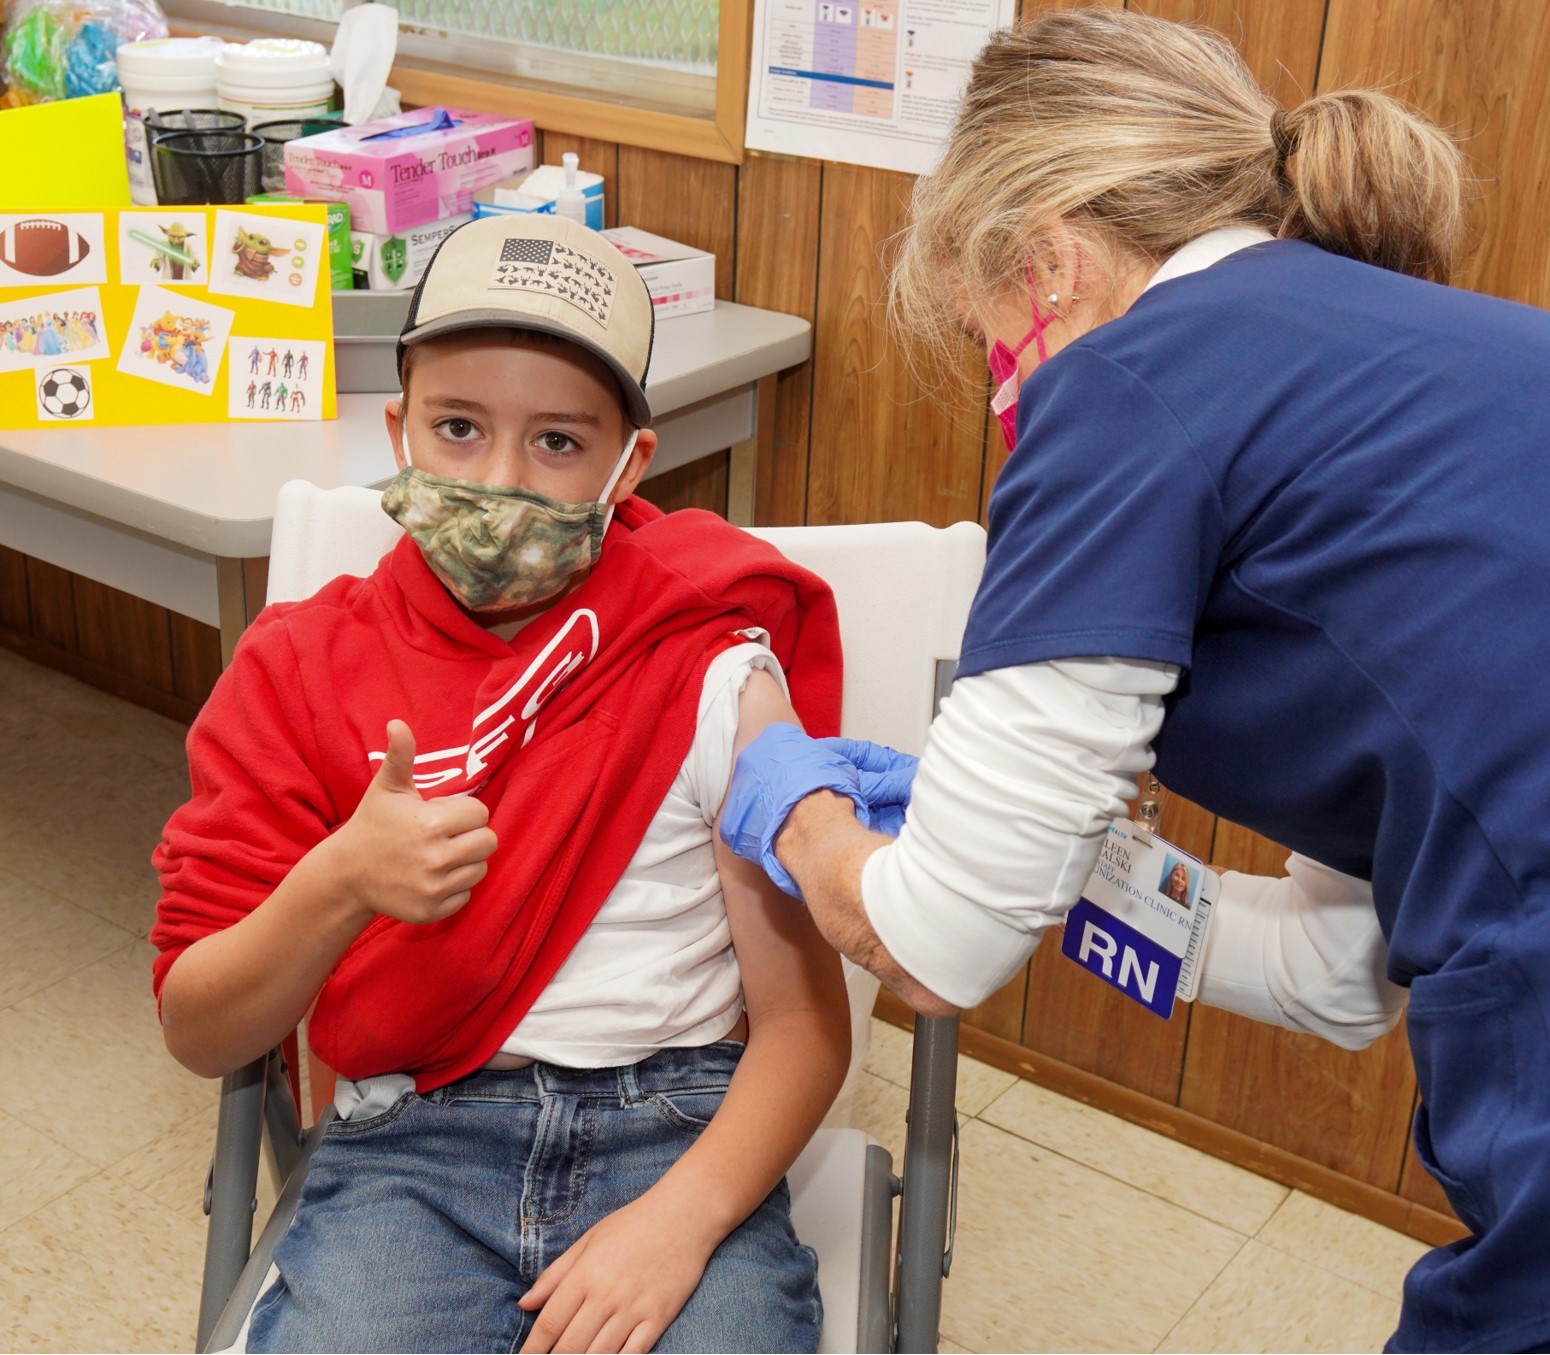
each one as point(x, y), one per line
point(1122, 957)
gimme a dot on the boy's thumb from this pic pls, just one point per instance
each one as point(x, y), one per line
point(397, 769)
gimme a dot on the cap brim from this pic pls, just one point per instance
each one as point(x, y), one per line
point(635, 402)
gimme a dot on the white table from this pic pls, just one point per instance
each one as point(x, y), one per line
point(181, 515)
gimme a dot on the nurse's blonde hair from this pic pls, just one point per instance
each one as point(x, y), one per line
point(1130, 136)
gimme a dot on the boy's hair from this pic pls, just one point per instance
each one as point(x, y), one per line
point(542, 275)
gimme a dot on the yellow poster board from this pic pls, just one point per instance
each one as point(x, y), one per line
point(165, 315)
point(89, 172)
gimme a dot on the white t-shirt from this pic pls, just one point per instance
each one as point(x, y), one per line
point(656, 969)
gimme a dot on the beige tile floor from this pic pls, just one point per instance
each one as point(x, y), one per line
point(1076, 1231)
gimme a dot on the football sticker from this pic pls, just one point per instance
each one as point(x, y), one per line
point(50, 328)
point(52, 249)
point(65, 393)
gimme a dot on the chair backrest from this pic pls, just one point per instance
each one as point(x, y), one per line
point(903, 590)
point(320, 534)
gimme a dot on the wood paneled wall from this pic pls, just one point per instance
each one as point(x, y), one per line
point(858, 439)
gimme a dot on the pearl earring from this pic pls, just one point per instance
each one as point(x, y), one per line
point(1053, 298)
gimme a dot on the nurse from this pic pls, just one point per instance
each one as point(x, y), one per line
point(1275, 519)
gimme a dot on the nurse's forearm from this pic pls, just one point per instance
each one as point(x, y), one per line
point(826, 849)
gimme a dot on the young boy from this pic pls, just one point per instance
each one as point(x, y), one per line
point(464, 811)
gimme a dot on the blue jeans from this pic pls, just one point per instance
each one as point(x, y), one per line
point(419, 1228)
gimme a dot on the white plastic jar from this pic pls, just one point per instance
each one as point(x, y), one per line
point(158, 76)
point(273, 78)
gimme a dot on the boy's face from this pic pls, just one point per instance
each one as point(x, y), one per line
point(496, 407)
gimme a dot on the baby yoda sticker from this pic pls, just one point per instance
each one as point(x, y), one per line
point(169, 247)
point(269, 258)
point(177, 339)
point(276, 378)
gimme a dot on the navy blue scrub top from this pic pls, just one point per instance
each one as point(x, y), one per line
point(1323, 489)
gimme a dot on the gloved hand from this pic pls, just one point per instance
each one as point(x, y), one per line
point(775, 771)
point(885, 776)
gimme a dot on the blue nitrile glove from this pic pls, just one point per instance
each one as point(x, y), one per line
point(885, 776)
point(775, 771)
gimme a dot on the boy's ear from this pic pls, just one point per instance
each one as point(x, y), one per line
point(639, 463)
point(393, 416)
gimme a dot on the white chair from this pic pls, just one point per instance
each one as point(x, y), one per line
point(903, 592)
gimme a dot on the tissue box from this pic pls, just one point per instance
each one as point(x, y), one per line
point(516, 204)
point(384, 261)
point(680, 278)
point(410, 170)
point(544, 184)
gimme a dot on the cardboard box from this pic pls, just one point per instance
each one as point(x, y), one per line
point(388, 261)
point(410, 170)
point(680, 278)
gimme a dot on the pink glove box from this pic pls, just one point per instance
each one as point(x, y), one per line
point(404, 172)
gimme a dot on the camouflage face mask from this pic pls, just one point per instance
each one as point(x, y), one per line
point(499, 549)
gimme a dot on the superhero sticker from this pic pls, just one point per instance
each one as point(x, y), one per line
point(164, 247)
point(45, 328)
point(177, 339)
point(267, 258)
point(276, 378)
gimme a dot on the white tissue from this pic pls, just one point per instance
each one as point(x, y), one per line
point(361, 57)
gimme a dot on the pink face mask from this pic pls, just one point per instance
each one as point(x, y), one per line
point(1002, 362)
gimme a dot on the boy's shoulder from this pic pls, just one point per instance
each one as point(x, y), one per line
point(340, 610)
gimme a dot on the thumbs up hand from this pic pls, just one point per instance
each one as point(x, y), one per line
point(410, 858)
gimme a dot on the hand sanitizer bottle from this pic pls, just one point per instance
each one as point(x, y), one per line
point(570, 201)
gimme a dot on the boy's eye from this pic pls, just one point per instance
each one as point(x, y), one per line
point(456, 430)
point(557, 442)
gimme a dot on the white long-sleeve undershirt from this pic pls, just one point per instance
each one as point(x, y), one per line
point(1024, 769)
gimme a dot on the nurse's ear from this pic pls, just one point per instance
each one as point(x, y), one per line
point(393, 416)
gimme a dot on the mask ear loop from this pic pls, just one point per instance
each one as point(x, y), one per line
point(613, 479)
point(403, 434)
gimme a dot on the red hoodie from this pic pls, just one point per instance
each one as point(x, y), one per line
point(571, 734)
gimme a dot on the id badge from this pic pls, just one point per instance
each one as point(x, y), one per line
point(1140, 924)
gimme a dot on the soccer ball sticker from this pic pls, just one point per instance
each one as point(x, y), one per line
point(64, 393)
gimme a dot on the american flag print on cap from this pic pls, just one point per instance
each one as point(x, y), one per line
point(530, 264)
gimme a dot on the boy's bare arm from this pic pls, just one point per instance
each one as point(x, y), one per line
point(237, 993)
point(624, 1287)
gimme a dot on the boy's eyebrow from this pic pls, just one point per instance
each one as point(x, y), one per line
point(454, 402)
point(568, 416)
point(460, 405)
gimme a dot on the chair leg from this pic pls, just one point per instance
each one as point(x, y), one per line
point(232, 1193)
point(280, 1119)
point(928, 1185)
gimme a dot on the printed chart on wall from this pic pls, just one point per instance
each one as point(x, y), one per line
point(866, 82)
point(165, 315)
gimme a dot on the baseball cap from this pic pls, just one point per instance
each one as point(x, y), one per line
point(544, 273)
